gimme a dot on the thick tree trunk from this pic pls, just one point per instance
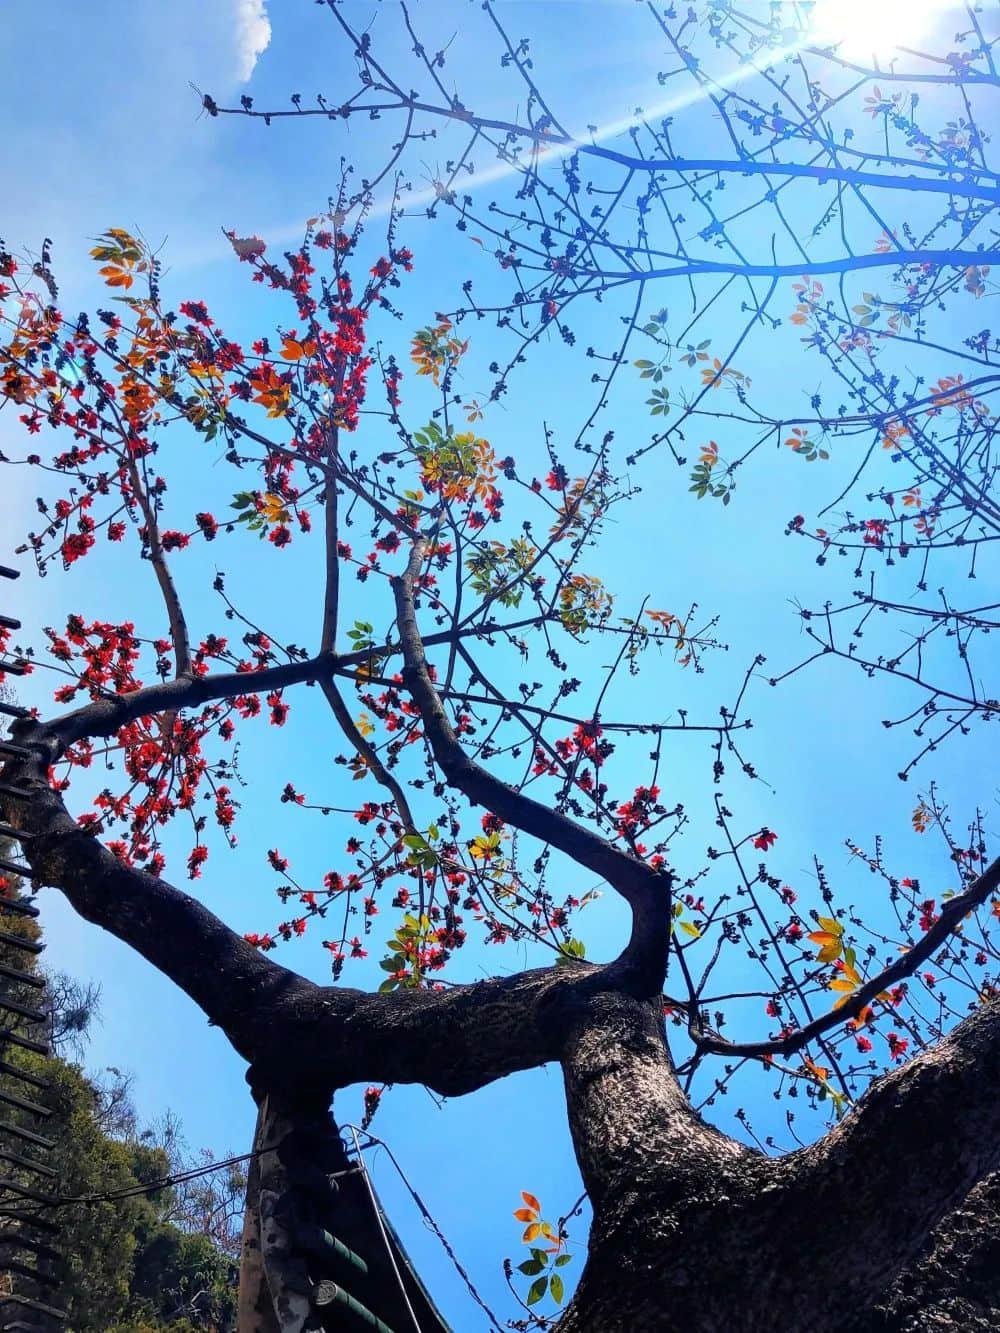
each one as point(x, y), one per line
point(953, 1286)
point(676, 1234)
point(878, 1228)
point(954, 1283)
point(255, 1311)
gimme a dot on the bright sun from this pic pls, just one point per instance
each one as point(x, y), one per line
point(866, 28)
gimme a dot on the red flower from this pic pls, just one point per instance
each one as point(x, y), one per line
point(196, 310)
point(196, 859)
point(765, 839)
point(897, 1045)
point(372, 1098)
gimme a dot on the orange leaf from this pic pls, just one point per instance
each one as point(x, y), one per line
point(531, 1201)
point(829, 945)
point(525, 1214)
point(115, 276)
point(532, 1233)
point(292, 350)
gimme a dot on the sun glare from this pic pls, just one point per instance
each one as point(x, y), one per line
point(863, 29)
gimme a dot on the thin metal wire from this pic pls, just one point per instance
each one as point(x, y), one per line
point(381, 1226)
point(428, 1221)
point(130, 1191)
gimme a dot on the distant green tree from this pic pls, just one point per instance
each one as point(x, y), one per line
point(133, 1263)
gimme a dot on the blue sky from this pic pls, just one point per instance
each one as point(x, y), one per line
point(108, 132)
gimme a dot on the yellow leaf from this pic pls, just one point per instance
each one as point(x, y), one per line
point(532, 1232)
point(829, 945)
point(272, 507)
point(482, 847)
point(365, 725)
point(843, 984)
point(689, 928)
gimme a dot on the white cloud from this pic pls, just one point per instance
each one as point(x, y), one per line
point(253, 35)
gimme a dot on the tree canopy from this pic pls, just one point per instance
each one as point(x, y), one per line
point(522, 676)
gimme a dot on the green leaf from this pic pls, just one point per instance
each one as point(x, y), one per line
point(537, 1290)
point(530, 1267)
point(563, 1260)
point(570, 951)
point(556, 1288)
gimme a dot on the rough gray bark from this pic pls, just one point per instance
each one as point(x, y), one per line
point(255, 1312)
point(692, 1231)
point(954, 1283)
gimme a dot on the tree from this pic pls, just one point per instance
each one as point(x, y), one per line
point(450, 660)
point(125, 1255)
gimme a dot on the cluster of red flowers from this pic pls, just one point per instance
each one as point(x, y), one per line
point(585, 741)
point(638, 813)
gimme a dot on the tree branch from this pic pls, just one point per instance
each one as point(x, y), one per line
point(104, 716)
point(953, 912)
point(230, 980)
point(299, 1037)
point(686, 267)
point(647, 891)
